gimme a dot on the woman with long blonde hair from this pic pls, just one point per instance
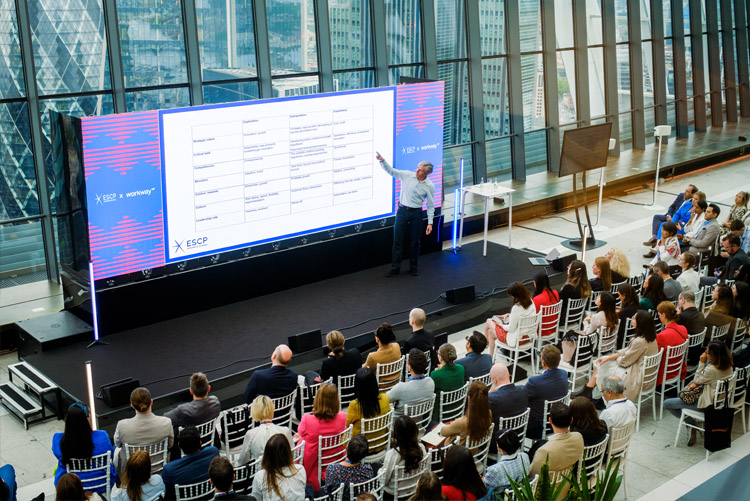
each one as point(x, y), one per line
point(618, 264)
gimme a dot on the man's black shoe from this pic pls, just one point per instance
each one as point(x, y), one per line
point(414, 272)
point(393, 272)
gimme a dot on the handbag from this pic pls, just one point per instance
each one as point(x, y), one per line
point(691, 395)
point(568, 345)
point(718, 434)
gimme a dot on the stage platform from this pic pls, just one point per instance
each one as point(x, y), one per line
point(228, 342)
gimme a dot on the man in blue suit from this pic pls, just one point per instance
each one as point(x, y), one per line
point(506, 399)
point(192, 467)
point(551, 384)
point(475, 362)
point(274, 382)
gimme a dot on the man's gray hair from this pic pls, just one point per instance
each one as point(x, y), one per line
point(688, 296)
point(427, 166)
point(613, 384)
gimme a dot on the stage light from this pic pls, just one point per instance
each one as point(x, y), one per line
point(92, 401)
point(94, 316)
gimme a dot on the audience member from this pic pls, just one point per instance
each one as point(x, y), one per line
point(340, 361)
point(626, 363)
point(69, 488)
point(388, 349)
point(620, 410)
point(563, 449)
point(693, 320)
point(476, 422)
point(202, 409)
point(475, 363)
point(714, 364)
point(658, 219)
point(280, 479)
point(221, 473)
point(506, 327)
point(8, 484)
point(741, 302)
point(545, 296)
point(628, 306)
point(366, 496)
point(254, 443)
point(506, 399)
point(673, 334)
point(447, 377)
point(736, 212)
point(576, 286)
point(736, 258)
point(418, 388)
point(585, 420)
point(653, 292)
point(192, 467)
point(350, 470)
point(693, 227)
point(419, 337)
point(368, 402)
point(512, 463)
point(78, 441)
point(429, 488)
point(551, 384)
point(406, 451)
point(720, 313)
point(742, 230)
point(704, 239)
point(326, 419)
point(688, 278)
point(602, 280)
point(618, 264)
point(138, 484)
point(668, 249)
point(275, 382)
point(605, 317)
point(145, 428)
point(461, 480)
point(672, 287)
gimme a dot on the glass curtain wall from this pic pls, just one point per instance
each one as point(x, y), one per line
point(97, 57)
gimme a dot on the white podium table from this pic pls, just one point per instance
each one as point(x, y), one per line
point(488, 191)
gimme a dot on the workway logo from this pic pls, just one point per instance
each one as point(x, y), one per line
point(189, 245)
point(138, 193)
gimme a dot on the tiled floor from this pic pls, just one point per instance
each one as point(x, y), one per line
point(655, 470)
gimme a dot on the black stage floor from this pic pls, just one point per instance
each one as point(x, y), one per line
point(239, 337)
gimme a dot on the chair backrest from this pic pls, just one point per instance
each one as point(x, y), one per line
point(740, 330)
point(421, 412)
point(608, 339)
point(307, 395)
point(345, 388)
point(657, 320)
point(378, 431)
point(332, 449)
point(708, 301)
point(452, 403)
point(719, 332)
point(591, 303)
point(437, 455)
point(547, 404)
point(558, 476)
point(298, 452)
point(584, 353)
point(511, 496)
point(158, 452)
point(244, 475)
point(405, 371)
point(192, 492)
point(528, 327)
point(284, 409)
point(674, 359)
point(650, 370)
point(405, 483)
point(637, 283)
point(374, 485)
point(724, 391)
point(336, 495)
point(389, 374)
point(518, 423)
point(696, 339)
point(699, 299)
point(574, 313)
point(549, 322)
point(235, 423)
point(481, 449)
point(593, 456)
point(740, 387)
point(96, 469)
point(206, 431)
point(629, 332)
point(619, 441)
point(486, 379)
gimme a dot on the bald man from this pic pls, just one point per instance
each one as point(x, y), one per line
point(420, 337)
point(274, 382)
point(506, 399)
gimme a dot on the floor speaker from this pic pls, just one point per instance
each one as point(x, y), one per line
point(51, 331)
point(117, 394)
point(307, 341)
point(460, 295)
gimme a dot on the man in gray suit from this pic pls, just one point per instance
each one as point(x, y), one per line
point(707, 235)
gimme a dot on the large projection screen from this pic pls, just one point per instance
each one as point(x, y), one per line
point(167, 186)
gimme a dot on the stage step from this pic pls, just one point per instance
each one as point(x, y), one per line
point(37, 384)
point(18, 403)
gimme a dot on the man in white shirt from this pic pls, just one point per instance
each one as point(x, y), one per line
point(620, 411)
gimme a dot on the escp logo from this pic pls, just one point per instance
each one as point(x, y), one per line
point(196, 242)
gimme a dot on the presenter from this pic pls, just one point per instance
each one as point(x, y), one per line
point(415, 189)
